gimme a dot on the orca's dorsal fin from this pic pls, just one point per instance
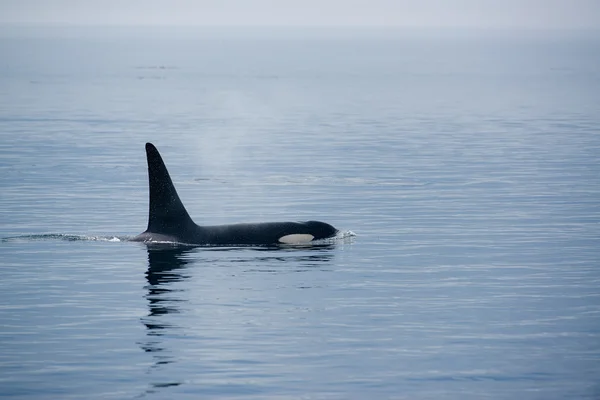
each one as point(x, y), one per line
point(166, 212)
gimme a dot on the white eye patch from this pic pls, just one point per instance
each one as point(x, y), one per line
point(296, 238)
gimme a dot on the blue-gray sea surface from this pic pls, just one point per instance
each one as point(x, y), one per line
point(467, 163)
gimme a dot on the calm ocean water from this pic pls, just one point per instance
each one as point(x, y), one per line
point(467, 163)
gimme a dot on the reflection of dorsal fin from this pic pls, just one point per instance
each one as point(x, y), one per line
point(167, 213)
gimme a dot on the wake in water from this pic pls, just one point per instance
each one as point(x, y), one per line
point(66, 237)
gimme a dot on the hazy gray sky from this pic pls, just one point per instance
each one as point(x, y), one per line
point(403, 13)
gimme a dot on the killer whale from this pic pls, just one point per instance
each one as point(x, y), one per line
point(169, 221)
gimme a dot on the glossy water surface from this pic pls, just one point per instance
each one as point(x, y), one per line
point(466, 163)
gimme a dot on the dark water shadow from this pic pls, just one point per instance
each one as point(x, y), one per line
point(169, 264)
point(166, 265)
